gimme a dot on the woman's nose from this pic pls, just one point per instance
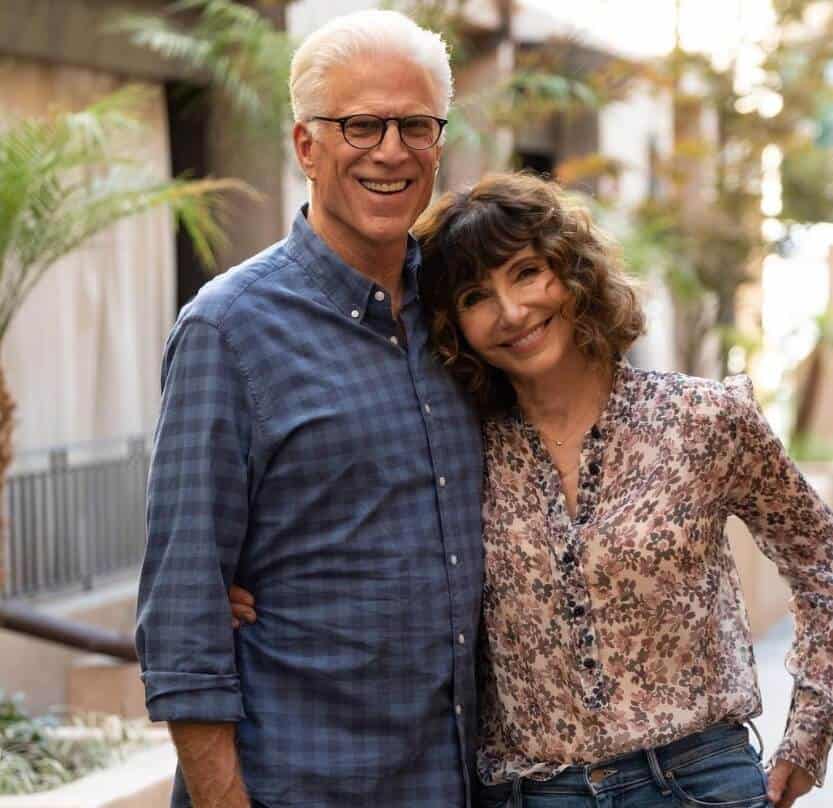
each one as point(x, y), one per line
point(513, 311)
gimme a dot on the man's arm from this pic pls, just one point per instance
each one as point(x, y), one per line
point(208, 758)
point(197, 524)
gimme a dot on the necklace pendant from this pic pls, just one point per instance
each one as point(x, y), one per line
point(559, 443)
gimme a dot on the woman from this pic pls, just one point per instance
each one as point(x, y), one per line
point(616, 662)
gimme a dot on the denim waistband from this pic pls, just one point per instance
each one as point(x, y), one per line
point(630, 769)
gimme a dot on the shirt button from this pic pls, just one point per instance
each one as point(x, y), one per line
point(589, 663)
point(461, 639)
point(427, 409)
point(568, 558)
point(594, 468)
point(355, 314)
point(578, 611)
point(595, 433)
point(394, 340)
point(441, 481)
point(379, 295)
point(453, 560)
point(459, 709)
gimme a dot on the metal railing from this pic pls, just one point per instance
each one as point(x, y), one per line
point(74, 514)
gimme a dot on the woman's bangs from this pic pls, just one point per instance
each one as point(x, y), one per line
point(480, 240)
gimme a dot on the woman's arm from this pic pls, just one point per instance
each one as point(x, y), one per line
point(794, 528)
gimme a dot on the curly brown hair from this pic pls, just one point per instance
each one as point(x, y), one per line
point(465, 235)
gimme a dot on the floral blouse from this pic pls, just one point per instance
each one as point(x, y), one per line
point(624, 628)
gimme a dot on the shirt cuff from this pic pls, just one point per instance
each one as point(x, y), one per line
point(809, 733)
point(172, 696)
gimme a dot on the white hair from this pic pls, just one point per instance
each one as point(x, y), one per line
point(372, 32)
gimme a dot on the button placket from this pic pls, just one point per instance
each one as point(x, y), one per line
point(584, 636)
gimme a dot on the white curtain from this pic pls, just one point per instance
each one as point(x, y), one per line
point(82, 355)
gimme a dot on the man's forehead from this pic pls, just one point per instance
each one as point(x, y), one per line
point(387, 87)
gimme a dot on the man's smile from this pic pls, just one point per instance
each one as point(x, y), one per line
point(386, 187)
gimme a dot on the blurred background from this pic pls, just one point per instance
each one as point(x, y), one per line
point(144, 145)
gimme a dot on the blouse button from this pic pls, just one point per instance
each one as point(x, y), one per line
point(578, 611)
point(568, 558)
point(594, 468)
point(589, 663)
point(596, 433)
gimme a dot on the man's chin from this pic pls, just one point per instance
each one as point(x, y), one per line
point(388, 229)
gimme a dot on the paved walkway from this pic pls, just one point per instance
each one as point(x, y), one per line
point(776, 689)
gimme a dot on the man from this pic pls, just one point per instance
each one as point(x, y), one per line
point(310, 448)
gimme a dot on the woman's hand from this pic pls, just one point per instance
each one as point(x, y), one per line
point(242, 606)
point(787, 782)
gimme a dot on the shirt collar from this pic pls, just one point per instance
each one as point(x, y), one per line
point(348, 289)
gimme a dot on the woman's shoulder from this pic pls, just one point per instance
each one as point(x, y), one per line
point(668, 386)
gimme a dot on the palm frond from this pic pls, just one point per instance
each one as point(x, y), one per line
point(64, 179)
point(233, 46)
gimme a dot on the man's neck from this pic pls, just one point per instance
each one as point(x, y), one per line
point(380, 263)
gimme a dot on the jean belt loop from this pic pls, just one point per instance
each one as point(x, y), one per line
point(757, 734)
point(587, 781)
point(517, 794)
point(657, 773)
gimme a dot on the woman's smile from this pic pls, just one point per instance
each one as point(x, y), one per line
point(528, 340)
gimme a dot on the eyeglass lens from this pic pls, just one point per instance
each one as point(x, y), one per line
point(416, 131)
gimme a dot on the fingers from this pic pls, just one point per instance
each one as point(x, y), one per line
point(242, 606)
point(778, 776)
point(237, 594)
point(243, 613)
point(800, 783)
point(787, 782)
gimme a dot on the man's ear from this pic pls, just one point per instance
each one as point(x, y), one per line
point(303, 140)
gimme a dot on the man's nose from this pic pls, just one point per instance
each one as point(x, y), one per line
point(391, 145)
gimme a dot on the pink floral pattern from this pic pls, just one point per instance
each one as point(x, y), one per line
point(625, 628)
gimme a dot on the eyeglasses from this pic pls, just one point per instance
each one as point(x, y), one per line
point(368, 131)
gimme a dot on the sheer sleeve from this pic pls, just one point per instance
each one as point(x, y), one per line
point(794, 528)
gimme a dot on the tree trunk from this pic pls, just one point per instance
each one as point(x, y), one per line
point(6, 423)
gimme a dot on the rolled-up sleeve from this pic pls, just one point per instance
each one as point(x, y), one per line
point(794, 528)
point(197, 518)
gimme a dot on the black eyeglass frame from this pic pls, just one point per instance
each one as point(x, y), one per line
point(342, 122)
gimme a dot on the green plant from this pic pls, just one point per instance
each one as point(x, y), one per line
point(67, 177)
point(810, 448)
point(34, 757)
point(234, 47)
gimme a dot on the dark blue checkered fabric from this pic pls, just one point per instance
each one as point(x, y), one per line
point(336, 474)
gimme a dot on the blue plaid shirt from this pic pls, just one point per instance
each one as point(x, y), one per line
point(308, 451)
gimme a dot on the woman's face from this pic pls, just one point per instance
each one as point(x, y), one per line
point(519, 318)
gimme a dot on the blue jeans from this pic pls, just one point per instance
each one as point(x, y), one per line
point(716, 768)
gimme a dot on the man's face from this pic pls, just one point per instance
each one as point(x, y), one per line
point(349, 207)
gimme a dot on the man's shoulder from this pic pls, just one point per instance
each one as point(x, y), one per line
point(238, 290)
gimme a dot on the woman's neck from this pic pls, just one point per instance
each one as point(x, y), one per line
point(568, 394)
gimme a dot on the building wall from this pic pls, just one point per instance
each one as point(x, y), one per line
point(82, 354)
point(40, 669)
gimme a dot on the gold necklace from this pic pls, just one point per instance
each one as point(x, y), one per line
point(599, 405)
